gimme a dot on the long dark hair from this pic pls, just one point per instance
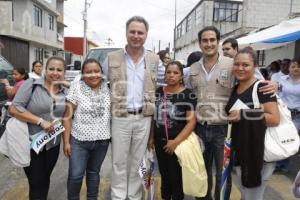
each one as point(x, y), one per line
point(34, 63)
point(91, 60)
point(250, 51)
point(180, 67)
point(22, 71)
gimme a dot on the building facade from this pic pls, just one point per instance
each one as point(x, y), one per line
point(234, 18)
point(31, 30)
point(73, 47)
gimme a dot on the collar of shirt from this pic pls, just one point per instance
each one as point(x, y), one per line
point(41, 82)
point(288, 78)
point(209, 74)
point(128, 58)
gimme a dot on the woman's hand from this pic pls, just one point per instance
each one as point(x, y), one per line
point(47, 126)
point(67, 149)
point(234, 116)
point(170, 146)
point(4, 81)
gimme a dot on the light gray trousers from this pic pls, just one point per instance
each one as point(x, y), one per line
point(129, 142)
point(256, 193)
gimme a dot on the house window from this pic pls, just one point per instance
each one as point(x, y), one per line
point(226, 11)
point(189, 22)
point(38, 16)
point(179, 30)
point(51, 22)
point(38, 54)
point(198, 15)
point(183, 27)
point(261, 57)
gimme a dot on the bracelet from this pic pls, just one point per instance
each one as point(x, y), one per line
point(40, 121)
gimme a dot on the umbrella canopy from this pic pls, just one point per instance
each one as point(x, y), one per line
point(278, 35)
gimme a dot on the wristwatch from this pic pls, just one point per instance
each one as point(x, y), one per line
point(40, 121)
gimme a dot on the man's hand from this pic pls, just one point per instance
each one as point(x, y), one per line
point(150, 144)
point(270, 88)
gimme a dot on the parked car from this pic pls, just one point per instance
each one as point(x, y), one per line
point(100, 53)
point(73, 72)
point(5, 73)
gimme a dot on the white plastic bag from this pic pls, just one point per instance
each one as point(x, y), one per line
point(146, 171)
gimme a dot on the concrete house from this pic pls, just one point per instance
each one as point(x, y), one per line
point(235, 18)
point(31, 30)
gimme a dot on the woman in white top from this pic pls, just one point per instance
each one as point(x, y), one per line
point(87, 134)
point(36, 71)
point(290, 94)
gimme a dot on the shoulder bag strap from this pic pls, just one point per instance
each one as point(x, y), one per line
point(32, 90)
point(165, 110)
point(255, 95)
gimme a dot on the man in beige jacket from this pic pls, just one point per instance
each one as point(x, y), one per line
point(132, 73)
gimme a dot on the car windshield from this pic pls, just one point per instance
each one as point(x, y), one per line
point(100, 54)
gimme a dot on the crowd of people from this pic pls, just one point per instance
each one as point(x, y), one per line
point(153, 102)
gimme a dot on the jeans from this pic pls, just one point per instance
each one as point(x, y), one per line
point(39, 171)
point(86, 158)
point(213, 137)
point(296, 120)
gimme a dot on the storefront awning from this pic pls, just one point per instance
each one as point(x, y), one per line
point(278, 35)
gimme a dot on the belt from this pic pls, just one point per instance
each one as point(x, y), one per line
point(294, 111)
point(205, 123)
point(135, 111)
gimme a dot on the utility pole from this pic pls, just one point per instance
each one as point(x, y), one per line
point(291, 8)
point(84, 17)
point(158, 45)
point(174, 46)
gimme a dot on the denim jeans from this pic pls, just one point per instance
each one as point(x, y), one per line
point(296, 120)
point(86, 158)
point(213, 137)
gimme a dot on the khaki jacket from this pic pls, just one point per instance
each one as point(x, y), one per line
point(117, 74)
point(212, 94)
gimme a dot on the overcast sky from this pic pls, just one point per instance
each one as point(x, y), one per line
point(107, 18)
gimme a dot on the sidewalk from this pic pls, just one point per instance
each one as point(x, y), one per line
point(13, 184)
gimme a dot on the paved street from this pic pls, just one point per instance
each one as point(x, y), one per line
point(13, 184)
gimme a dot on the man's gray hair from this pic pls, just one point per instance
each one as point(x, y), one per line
point(137, 19)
